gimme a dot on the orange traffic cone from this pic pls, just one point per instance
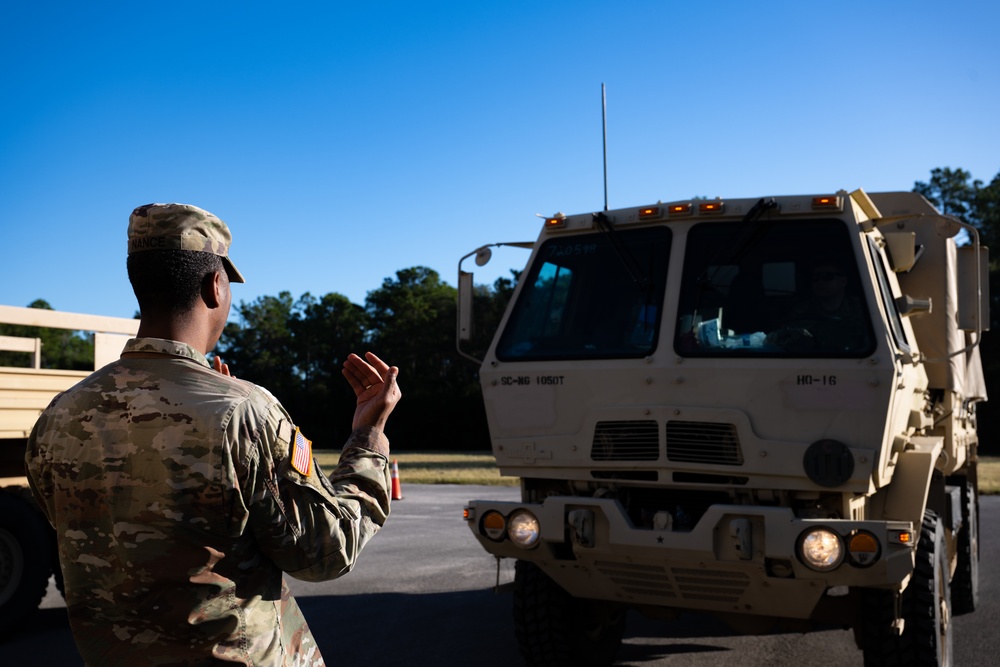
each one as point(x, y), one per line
point(397, 491)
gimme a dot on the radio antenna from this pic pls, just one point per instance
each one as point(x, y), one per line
point(604, 123)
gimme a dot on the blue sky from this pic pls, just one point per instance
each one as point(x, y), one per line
point(345, 141)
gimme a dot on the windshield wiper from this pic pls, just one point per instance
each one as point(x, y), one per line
point(635, 272)
point(739, 245)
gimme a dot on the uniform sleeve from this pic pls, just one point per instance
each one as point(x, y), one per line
point(38, 467)
point(311, 525)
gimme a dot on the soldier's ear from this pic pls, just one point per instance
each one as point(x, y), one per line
point(213, 288)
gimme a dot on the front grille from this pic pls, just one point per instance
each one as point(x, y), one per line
point(703, 442)
point(635, 579)
point(651, 581)
point(710, 585)
point(626, 441)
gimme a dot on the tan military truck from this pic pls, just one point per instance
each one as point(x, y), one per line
point(762, 409)
point(27, 542)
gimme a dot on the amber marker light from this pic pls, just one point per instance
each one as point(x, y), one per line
point(649, 212)
point(494, 525)
point(828, 201)
point(555, 222)
point(863, 548)
point(675, 210)
point(710, 207)
point(901, 537)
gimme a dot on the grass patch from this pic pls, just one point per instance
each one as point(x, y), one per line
point(438, 468)
point(480, 468)
point(989, 475)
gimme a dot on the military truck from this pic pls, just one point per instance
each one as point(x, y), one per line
point(27, 543)
point(762, 409)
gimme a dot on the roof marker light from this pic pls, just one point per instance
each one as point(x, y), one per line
point(676, 210)
point(649, 212)
point(555, 222)
point(710, 207)
point(826, 202)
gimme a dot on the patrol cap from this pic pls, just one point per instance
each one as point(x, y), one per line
point(181, 227)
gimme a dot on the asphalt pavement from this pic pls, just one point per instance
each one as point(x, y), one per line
point(422, 594)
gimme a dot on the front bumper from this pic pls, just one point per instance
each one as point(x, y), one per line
point(737, 558)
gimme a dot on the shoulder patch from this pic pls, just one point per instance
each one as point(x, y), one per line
point(302, 454)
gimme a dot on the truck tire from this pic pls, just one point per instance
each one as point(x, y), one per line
point(26, 557)
point(555, 629)
point(926, 606)
point(965, 583)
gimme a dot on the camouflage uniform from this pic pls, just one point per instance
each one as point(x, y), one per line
point(177, 507)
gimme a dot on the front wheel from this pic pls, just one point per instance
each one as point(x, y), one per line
point(926, 609)
point(26, 558)
point(555, 629)
point(927, 600)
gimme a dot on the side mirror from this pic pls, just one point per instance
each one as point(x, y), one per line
point(465, 306)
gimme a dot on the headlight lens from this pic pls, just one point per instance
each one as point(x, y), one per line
point(822, 549)
point(522, 529)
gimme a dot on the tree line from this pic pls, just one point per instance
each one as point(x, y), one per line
point(296, 347)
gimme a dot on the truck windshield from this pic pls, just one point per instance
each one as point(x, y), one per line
point(777, 289)
point(580, 301)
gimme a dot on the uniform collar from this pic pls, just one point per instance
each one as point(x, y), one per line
point(157, 346)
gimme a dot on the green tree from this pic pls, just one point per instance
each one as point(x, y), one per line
point(296, 349)
point(260, 347)
point(488, 307)
point(324, 332)
point(986, 213)
point(412, 320)
point(950, 191)
point(955, 192)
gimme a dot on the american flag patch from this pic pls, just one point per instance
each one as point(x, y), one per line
point(302, 453)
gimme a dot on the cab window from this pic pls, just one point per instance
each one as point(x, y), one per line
point(776, 289)
point(590, 296)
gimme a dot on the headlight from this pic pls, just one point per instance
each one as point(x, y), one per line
point(522, 529)
point(821, 549)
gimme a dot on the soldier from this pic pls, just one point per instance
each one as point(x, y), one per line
point(180, 494)
point(832, 321)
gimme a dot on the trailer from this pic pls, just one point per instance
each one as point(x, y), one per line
point(28, 557)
